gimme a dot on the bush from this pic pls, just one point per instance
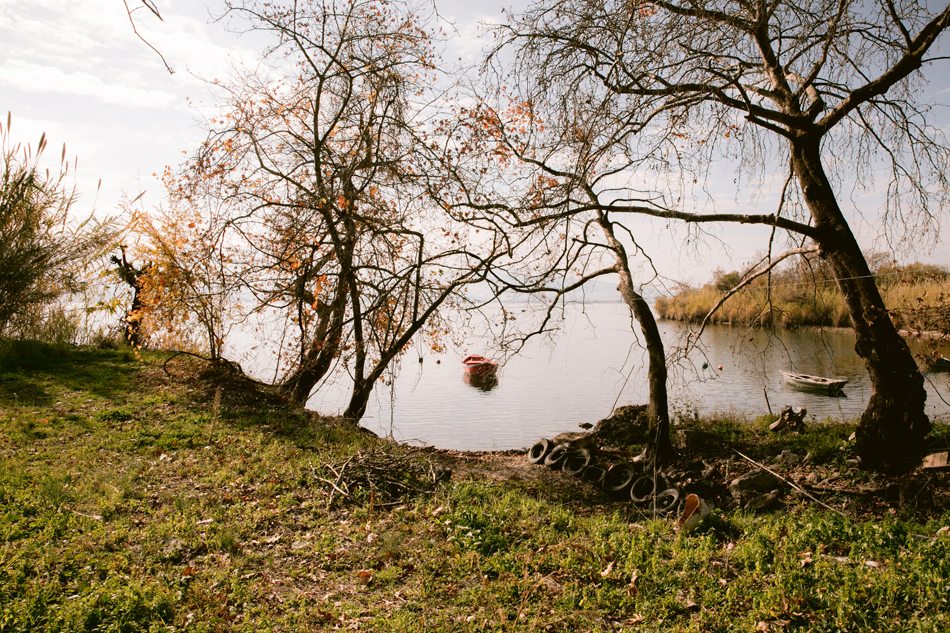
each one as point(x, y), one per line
point(44, 255)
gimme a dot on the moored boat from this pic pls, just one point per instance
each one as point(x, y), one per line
point(476, 365)
point(937, 363)
point(815, 383)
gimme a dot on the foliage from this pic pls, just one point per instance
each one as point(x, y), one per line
point(810, 95)
point(45, 257)
point(185, 297)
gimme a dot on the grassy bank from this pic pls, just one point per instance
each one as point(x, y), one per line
point(916, 301)
point(135, 500)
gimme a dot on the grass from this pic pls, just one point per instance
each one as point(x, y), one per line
point(135, 501)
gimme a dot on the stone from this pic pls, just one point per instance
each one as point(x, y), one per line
point(763, 502)
point(788, 459)
point(753, 482)
point(575, 439)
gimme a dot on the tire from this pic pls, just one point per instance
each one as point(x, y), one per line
point(617, 480)
point(667, 501)
point(556, 457)
point(594, 475)
point(576, 461)
point(643, 489)
point(539, 451)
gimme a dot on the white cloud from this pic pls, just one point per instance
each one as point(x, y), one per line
point(36, 78)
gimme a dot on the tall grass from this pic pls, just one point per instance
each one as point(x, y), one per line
point(917, 298)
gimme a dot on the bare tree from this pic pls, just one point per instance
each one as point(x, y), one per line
point(321, 161)
point(808, 85)
point(533, 181)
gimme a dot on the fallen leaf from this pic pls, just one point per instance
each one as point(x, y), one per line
point(632, 587)
point(607, 571)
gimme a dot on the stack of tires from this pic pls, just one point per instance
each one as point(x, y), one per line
point(621, 481)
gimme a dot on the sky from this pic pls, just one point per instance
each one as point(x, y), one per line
point(76, 71)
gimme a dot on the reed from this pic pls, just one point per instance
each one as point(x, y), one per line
point(918, 299)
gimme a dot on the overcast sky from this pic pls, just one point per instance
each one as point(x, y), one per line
point(75, 70)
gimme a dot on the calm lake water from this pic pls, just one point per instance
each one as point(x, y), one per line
point(598, 361)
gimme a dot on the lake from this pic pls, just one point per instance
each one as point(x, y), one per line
point(598, 361)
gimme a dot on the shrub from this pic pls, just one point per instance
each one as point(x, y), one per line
point(44, 255)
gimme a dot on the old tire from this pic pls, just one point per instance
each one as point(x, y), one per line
point(643, 489)
point(539, 451)
point(556, 457)
point(594, 475)
point(576, 461)
point(618, 479)
point(667, 501)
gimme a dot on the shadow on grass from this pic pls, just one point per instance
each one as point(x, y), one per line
point(31, 372)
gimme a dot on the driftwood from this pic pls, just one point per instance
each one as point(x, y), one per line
point(790, 419)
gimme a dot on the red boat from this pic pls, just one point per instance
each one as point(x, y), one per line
point(476, 365)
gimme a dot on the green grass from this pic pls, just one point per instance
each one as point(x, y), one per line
point(123, 508)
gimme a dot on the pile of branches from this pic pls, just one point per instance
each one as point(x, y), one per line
point(384, 478)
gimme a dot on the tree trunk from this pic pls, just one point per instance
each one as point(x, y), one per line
point(318, 360)
point(358, 401)
point(659, 448)
point(893, 428)
point(321, 352)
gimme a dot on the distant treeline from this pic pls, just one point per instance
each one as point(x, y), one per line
point(805, 294)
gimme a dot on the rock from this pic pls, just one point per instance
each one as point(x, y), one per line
point(762, 502)
point(813, 478)
point(788, 459)
point(744, 487)
point(576, 439)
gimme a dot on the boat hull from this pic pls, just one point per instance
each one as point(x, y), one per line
point(938, 364)
point(479, 366)
point(818, 384)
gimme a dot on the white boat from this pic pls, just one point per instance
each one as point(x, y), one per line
point(815, 383)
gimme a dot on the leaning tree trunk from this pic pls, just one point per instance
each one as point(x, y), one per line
point(659, 448)
point(893, 428)
point(321, 352)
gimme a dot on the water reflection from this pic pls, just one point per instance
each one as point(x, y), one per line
point(482, 383)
